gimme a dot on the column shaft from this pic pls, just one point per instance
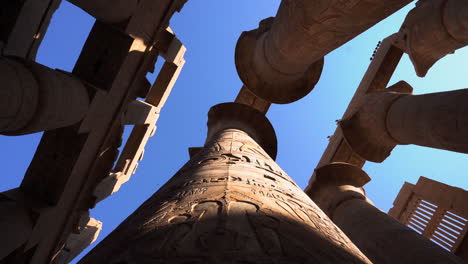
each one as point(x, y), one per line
point(433, 29)
point(304, 31)
point(230, 203)
point(286, 53)
point(436, 120)
point(384, 239)
point(35, 98)
point(338, 191)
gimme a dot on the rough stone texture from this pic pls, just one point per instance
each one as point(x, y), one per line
point(433, 29)
point(366, 131)
point(115, 60)
point(336, 183)
point(385, 240)
point(338, 191)
point(78, 242)
point(245, 96)
point(438, 211)
point(436, 120)
point(376, 79)
point(37, 98)
point(230, 203)
point(386, 119)
point(278, 62)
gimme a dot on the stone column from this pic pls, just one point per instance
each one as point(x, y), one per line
point(282, 60)
point(230, 203)
point(338, 191)
point(436, 120)
point(36, 98)
point(433, 29)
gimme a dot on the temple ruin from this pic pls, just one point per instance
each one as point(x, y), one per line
point(231, 202)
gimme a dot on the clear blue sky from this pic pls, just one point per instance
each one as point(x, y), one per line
point(209, 29)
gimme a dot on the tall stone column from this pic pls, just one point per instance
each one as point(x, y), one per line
point(231, 203)
point(387, 119)
point(282, 60)
point(339, 193)
point(433, 29)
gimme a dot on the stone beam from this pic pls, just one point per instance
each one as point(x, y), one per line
point(72, 161)
point(23, 25)
point(281, 61)
point(338, 190)
point(387, 119)
point(376, 79)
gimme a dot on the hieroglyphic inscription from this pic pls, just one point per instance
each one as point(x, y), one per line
point(272, 186)
point(194, 191)
point(230, 206)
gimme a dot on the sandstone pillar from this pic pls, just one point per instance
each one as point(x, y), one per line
point(338, 191)
point(433, 29)
point(35, 98)
point(281, 61)
point(230, 203)
point(436, 120)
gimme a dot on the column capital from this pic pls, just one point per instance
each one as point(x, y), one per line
point(336, 183)
point(262, 78)
point(245, 118)
point(366, 130)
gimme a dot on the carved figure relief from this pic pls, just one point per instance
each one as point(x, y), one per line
point(229, 204)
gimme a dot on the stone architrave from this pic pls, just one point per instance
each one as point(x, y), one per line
point(231, 203)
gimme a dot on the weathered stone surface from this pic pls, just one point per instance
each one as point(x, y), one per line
point(438, 211)
point(338, 191)
point(281, 60)
point(37, 98)
point(385, 240)
point(366, 131)
point(434, 29)
point(336, 183)
point(376, 79)
point(245, 96)
point(78, 242)
point(230, 203)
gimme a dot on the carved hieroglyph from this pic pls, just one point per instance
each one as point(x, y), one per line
point(230, 203)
